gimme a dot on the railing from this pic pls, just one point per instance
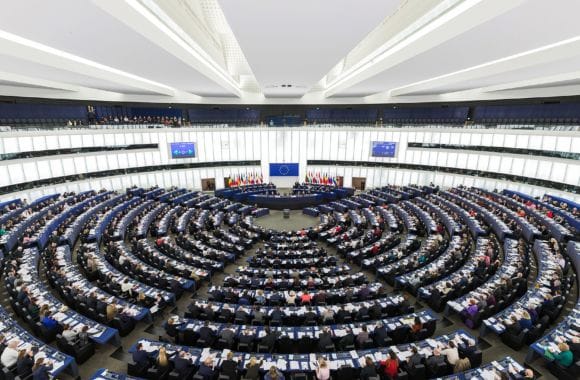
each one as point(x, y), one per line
point(337, 125)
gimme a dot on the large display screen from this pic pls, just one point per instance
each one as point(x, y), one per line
point(383, 149)
point(182, 149)
point(284, 170)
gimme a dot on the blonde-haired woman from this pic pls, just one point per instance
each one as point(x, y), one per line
point(111, 312)
point(525, 320)
point(253, 369)
point(565, 358)
point(322, 370)
point(162, 361)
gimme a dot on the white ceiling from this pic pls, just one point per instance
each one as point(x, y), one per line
point(330, 51)
point(296, 42)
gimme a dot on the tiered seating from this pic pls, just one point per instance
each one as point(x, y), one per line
point(294, 300)
point(345, 364)
point(567, 331)
point(300, 339)
point(505, 285)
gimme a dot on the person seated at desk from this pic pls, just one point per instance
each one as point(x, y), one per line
point(291, 299)
point(470, 312)
point(341, 314)
point(416, 326)
point(111, 312)
point(24, 363)
point(306, 298)
point(206, 370)
point(260, 298)
point(49, 322)
point(390, 365)
point(369, 370)
point(206, 333)
point(126, 288)
point(462, 365)
point(258, 315)
point(69, 334)
point(41, 370)
point(451, 353)
point(242, 315)
point(325, 339)
point(327, 315)
point(226, 313)
point(434, 360)
point(229, 367)
point(228, 334)
point(269, 339)
point(322, 370)
point(346, 340)
point(140, 356)
point(162, 361)
point(208, 311)
point(9, 356)
point(33, 309)
point(564, 358)
point(277, 315)
point(525, 320)
point(413, 361)
point(253, 369)
point(362, 336)
point(273, 374)
point(310, 316)
point(182, 365)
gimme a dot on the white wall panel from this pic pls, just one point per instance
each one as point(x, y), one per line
point(294, 145)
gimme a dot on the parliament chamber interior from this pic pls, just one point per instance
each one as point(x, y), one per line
point(299, 190)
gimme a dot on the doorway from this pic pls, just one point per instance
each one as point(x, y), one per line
point(208, 184)
point(359, 183)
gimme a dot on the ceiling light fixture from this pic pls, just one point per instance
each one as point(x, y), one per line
point(436, 17)
point(151, 11)
point(75, 58)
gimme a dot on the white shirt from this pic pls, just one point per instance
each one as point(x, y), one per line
point(452, 355)
point(126, 287)
point(70, 336)
point(9, 357)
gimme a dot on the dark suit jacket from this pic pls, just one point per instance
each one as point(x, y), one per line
point(227, 335)
point(24, 366)
point(269, 340)
point(181, 366)
point(140, 357)
point(230, 368)
point(346, 340)
point(206, 333)
point(310, 316)
point(380, 334)
point(513, 329)
point(368, 371)
point(433, 361)
point(206, 372)
point(325, 339)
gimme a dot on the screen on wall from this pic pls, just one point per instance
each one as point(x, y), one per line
point(383, 149)
point(182, 149)
point(284, 170)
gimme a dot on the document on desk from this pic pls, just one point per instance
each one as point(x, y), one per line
point(281, 364)
point(294, 365)
point(353, 354)
point(205, 353)
point(432, 343)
